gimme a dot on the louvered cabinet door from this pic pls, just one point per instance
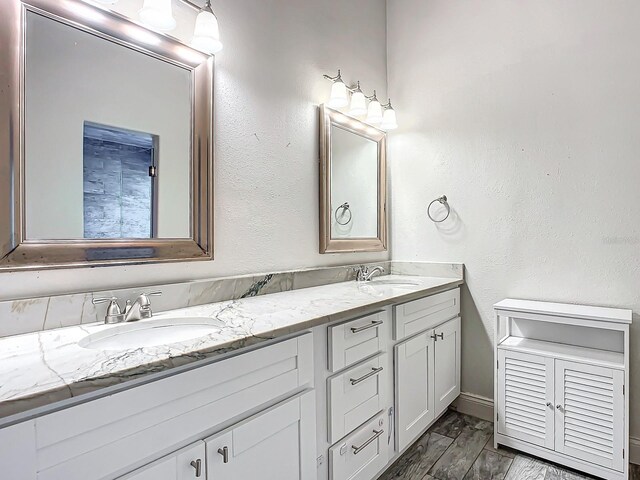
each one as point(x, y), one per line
point(525, 397)
point(590, 413)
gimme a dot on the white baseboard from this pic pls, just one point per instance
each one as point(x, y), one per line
point(482, 407)
point(634, 450)
point(474, 405)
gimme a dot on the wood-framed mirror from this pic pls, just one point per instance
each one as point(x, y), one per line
point(106, 140)
point(353, 184)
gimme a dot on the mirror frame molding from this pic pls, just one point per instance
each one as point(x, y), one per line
point(329, 117)
point(19, 253)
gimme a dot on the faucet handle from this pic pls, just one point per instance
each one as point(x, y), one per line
point(114, 314)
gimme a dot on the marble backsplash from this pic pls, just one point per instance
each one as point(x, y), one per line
point(45, 313)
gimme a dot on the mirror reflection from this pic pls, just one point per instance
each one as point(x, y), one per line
point(354, 185)
point(107, 138)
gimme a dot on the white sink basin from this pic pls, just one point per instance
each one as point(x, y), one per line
point(151, 333)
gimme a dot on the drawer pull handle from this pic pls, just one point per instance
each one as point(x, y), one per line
point(376, 434)
point(373, 324)
point(225, 454)
point(197, 464)
point(374, 371)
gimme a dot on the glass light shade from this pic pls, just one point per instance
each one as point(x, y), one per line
point(374, 114)
point(339, 96)
point(158, 15)
point(358, 104)
point(206, 35)
point(389, 120)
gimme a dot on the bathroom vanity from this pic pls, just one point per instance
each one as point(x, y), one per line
point(325, 382)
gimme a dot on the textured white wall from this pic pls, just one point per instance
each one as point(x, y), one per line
point(526, 115)
point(268, 85)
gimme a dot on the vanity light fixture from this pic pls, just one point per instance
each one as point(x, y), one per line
point(106, 2)
point(382, 116)
point(358, 102)
point(158, 15)
point(389, 121)
point(374, 112)
point(206, 35)
point(339, 97)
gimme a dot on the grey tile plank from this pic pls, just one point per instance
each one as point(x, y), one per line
point(527, 468)
point(452, 423)
point(634, 472)
point(504, 451)
point(554, 472)
point(489, 466)
point(416, 462)
point(462, 453)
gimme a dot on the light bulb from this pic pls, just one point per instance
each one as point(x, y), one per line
point(389, 120)
point(374, 114)
point(206, 34)
point(358, 104)
point(158, 15)
point(339, 97)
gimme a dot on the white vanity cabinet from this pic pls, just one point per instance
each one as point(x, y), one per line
point(427, 364)
point(148, 431)
point(561, 372)
point(278, 444)
point(185, 464)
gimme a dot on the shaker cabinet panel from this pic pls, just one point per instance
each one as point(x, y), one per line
point(414, 364)
point(278, 444)
point(185, 464)
point(447, 364)
point(525, 396)
point(590, 413)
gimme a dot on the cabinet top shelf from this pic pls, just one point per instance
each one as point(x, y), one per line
point(603, 314)
point(566, 352)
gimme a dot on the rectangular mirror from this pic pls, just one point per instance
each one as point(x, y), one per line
point(352, 185)
point(110, 157)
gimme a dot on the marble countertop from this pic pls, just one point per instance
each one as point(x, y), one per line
point(43, 368)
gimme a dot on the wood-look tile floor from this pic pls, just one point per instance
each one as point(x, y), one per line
point(460, 447)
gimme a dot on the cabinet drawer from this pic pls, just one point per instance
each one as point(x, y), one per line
point(356, 395)
point(355, 340)
point(129, 428)
point(362, 454)
point(413, 317)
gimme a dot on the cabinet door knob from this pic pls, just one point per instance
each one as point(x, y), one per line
point(441, 335)
point(224, 451)
point(197, 465)
point(559, 407)
point(549, 404)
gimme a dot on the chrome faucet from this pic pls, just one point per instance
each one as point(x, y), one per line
point(139, 310)
point(364, 274)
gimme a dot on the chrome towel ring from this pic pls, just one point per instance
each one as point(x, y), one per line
point(443, 201)
point(345, 209)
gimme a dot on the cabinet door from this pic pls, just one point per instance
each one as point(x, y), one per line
point(590, 413)
point(446, 364)
point(414, 360)
point(185, 464)
point(525, 397)
point(278, 444)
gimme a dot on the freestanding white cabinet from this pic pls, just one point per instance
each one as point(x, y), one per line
point(561, 372)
